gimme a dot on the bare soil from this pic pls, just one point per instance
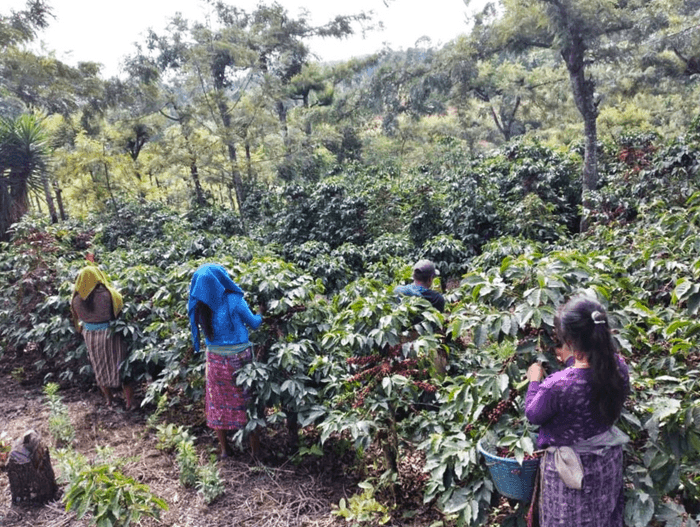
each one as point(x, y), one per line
point(270, 491)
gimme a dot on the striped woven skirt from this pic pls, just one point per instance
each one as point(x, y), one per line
point(106, 351)
point(225, 401)
point(599, 502)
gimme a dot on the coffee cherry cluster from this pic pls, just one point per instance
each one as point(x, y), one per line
point(503, 406)
point(531, 331)
point(365, 374)
point(81, 240)
point(394, 351)
point(425, 386)
point(360, 399)
point(405, 367)
point(39, 241)
point(507, 363)
point(363, 361)
point(377, 366)
point(505, 452)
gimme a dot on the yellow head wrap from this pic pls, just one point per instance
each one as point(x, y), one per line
point(88, 278)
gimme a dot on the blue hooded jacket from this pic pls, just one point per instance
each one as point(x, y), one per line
point(212, 285)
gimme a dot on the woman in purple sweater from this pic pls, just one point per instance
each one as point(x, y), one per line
point(581, 481)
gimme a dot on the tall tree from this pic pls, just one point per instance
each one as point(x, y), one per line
point(581, 32)
point(36, 81)
point(160, 88)
point(20, 27)
point(406, 83)
point(344, 109)
point(238, 53)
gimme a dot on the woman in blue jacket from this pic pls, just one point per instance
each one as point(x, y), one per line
point(216, 305)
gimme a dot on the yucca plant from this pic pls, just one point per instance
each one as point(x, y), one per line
point(23, 159)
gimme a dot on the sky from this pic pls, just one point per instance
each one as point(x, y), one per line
point(104, 31)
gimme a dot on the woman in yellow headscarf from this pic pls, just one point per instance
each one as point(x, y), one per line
point(95, 303)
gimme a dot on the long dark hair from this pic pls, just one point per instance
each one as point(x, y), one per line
point(583, 324)
point(202, 317)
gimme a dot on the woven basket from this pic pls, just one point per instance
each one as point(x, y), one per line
point(512, 480)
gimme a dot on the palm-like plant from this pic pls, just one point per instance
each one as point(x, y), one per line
point(23, 158)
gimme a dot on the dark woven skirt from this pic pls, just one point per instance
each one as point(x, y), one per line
point(225, 401)
point(599, 502)
point(106, 351)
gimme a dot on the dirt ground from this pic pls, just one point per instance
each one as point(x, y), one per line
point(268, 492)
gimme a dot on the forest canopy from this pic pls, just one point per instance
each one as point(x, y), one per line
point(216, 115)
point(553, 149)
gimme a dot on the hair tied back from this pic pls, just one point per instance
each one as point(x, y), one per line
point(598, 317)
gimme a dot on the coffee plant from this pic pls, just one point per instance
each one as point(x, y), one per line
point(60, 426)
point(110, 497)
point(340, 355)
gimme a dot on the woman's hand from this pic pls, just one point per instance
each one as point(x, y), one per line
point(535, 372)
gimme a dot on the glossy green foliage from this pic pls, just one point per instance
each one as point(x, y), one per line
point(60, 425)
point(113, 499)
point(322, 213)
point(340, 351)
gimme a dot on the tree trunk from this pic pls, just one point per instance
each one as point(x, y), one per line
point(19, 196)
point(282, 115)
point(307, 125)
point(230, 196)
point(507, 119)
point(59, 200)
point(236, 175)
point(219, 75)
point(232, 154)
point(584, 96)
point(5, 203)
point(154, 179)
point(590, 169)
point(293, 430)
point(49, 198)
point(194, 172)
point(29, 470)
point(38, 203)
point(248, 160)
point(109, 189)
point(497, 121)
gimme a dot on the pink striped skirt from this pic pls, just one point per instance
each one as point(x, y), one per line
point(225, 401)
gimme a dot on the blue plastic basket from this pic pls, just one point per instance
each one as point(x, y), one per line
point(512, 480)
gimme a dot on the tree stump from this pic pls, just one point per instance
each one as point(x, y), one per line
point(32, 480)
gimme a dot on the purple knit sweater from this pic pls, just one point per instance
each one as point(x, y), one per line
point(563, 407)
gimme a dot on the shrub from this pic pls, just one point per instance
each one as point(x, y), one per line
point(187, 462)
point(60, 425)
point(113, 499)
point(209, 483)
